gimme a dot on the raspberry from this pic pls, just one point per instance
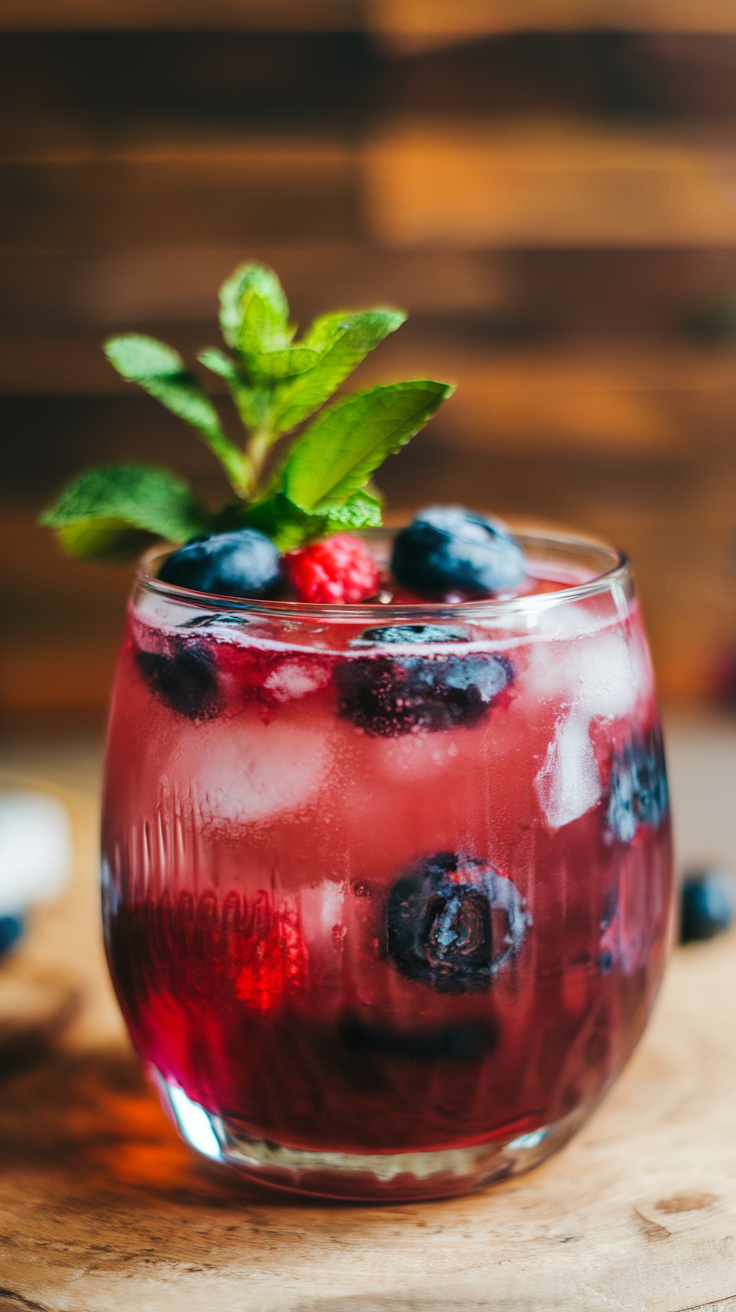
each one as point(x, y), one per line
point(274, 961)
point(339, 568)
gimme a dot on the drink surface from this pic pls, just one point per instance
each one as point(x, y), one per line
point(379, 888)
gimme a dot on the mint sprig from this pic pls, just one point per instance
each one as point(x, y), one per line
point(322, 483)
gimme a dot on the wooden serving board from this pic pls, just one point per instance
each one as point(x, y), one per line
point(102, 1207)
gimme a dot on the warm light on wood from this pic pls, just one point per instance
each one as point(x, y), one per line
point(421, 24)
point(512, 183)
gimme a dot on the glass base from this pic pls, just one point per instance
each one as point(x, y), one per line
point(365, 1177)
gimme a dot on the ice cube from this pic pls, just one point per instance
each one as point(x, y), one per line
point(294, 679)
point(568, 783)
point(610, 679)
point(254, 771)
point(592, 677)
point(598, 675)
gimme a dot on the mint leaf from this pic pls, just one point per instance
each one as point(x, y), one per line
point(162, 372)
point(284, 364)
point(221, 364)
point(341, 341)
point(346, 442)
point(284, 523)
point(110, 541)
point(252, 401)
point(361, 510)
point(323, 484)
point(288, 526)
point(109, 513)
point(267, 366)
point(254, 312)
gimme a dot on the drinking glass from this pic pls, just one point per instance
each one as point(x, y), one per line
point(387, 888)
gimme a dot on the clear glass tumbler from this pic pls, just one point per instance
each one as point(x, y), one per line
point(387, 889)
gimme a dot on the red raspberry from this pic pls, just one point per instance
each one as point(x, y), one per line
point(339, 568)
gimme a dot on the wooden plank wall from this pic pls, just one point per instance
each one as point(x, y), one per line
point(555, 208)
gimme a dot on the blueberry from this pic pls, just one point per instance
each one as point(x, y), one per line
point(708, 904)
point(458, 1043)
point(409, 634)
point(388, 696)
point(453, 923)
point(448, 548)
point(243, 563)
point(219, 617)
point(638, 792)
point(11, 928)
point(183, 678)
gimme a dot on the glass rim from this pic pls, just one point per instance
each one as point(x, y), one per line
point(617, 573)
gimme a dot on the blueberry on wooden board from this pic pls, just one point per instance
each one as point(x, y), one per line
point(707, 904)
point(11, 929)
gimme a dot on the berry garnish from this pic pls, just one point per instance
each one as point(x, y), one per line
point(708, 904)
point(340, 568)
point(637, 789)
point(453, 923)
point(409, 634)
point(183, 678)
point(449, 549)
point(244, 563)
point(389, 696)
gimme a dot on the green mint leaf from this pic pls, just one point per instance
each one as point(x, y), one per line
point(110, 513)
point(221, 364)
point(254, 312)
point(337, 454)
point(375, 492)
point(283, 522)
point(289, 526)
point(252, 402)
point(162, 372)
point(110, 541)
point(284, 364)
point(361, 510)
point(253, 393)
point(342, 340)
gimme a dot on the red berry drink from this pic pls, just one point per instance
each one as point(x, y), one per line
point(387, 887)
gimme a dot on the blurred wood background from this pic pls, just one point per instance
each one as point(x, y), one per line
point(548, 187)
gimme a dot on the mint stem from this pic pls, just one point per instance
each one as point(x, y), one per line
point(235, 464)
point(256, 451)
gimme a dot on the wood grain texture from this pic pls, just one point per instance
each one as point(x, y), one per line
point(102, 1207)
point(544, 182)
point(173, 15)
point(427, 21)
